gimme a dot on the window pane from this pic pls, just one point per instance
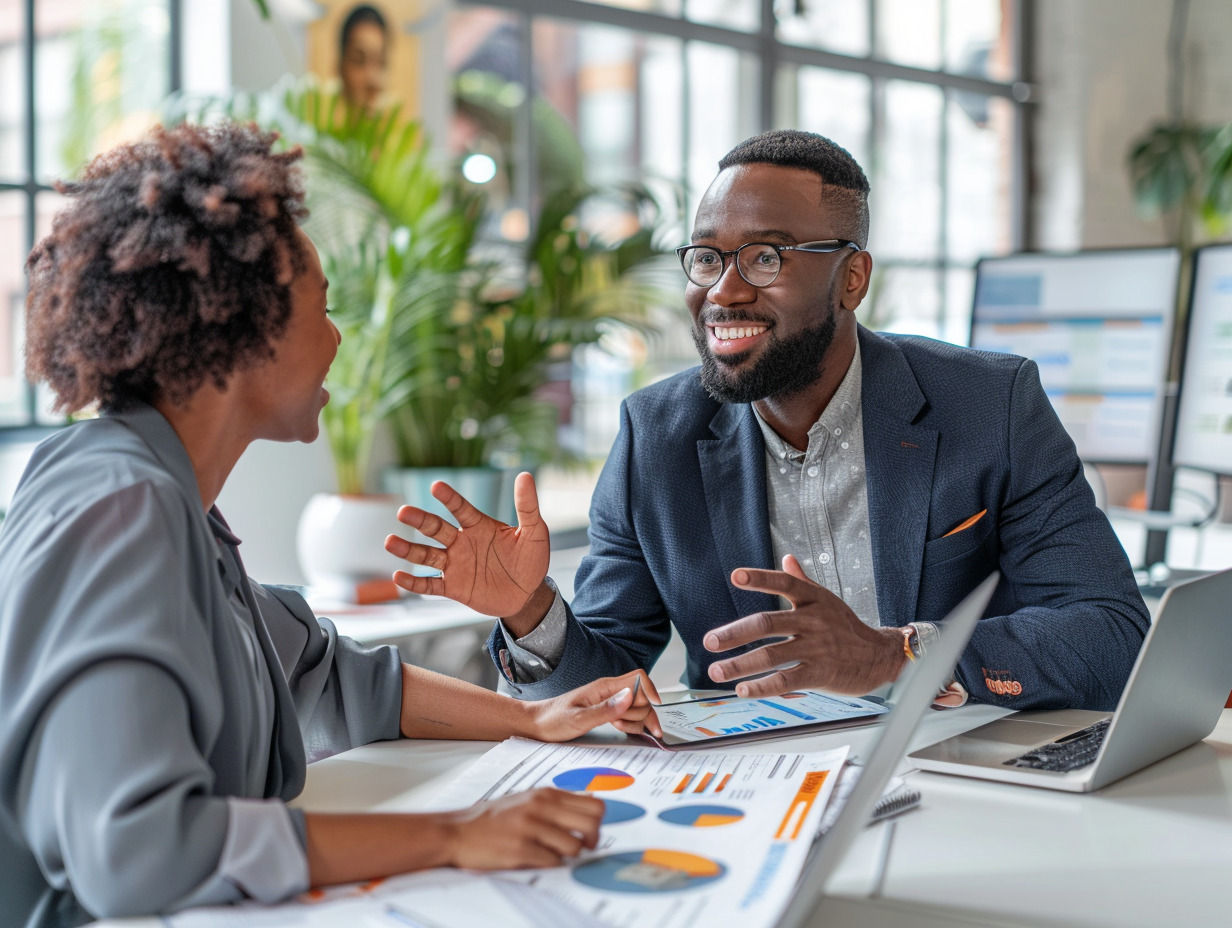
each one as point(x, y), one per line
point(906, 300)
point(978, 189)
point(977, 34)
point(744, 15)
point(909, 32)
point(835, 25)
point(662, 113)
point(959, 291)
point(832, 103)
point(12, 91)
point(722, 106)
point(100, 74)
point(906, 188)
point(484, 55)
point(12, 294)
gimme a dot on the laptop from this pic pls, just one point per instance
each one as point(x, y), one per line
point(1173, 699)
point(913, 695)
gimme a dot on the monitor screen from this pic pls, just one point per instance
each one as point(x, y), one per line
point(1099, 326)
point(1204, 417)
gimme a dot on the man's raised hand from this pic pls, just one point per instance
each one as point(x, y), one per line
point(485, 564)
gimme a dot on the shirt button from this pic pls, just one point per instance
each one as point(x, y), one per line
point(813, 471)
point(845, 446)
point(838, 431)
point(825, 557)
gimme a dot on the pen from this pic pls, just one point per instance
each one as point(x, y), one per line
point(637, 685)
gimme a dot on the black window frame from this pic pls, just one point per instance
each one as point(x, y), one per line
point(28, 184)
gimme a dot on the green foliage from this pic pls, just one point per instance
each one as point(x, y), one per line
point(479, 392)
point(112, 96)
point(451, 348)
point(1184, 170)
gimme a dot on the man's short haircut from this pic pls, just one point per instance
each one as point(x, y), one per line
point(846, 186)
point(358, 16)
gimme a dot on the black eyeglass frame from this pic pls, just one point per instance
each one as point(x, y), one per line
point(831, 246)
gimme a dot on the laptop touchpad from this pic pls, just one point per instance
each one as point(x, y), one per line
point(1018, 731)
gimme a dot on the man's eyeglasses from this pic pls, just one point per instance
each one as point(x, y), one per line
point(758, 263)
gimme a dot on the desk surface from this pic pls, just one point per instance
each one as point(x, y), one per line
point(1153, 849)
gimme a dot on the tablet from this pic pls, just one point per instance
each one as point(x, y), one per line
point(723, 719)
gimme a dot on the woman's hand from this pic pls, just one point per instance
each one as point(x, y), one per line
point(627, 702)
point(538, 828)
point(484, 564)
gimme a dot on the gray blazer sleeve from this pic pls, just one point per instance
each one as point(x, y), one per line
point(346, 694)
point(128, 820)
point(111, 767)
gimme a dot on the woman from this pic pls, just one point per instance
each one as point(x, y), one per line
point(159, 708)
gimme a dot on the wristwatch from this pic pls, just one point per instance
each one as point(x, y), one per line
point(912, 646)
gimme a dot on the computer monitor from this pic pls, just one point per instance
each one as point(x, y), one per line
point(1204, 415)
point(1099, 325)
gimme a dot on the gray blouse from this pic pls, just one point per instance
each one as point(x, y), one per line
point(157, 709)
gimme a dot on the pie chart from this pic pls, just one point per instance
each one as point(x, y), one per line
point(654, 870)
point(701, 816)
point(616, 812)
point(592, 779)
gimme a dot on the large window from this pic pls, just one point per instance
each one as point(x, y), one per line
point(926, 94)
point(76, 77)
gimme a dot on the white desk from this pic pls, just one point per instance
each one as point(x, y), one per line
point(1154, 849)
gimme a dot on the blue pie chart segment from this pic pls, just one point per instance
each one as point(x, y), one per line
point(701, 816)
point(592, 779)
point(654, 870)
point(616, 812)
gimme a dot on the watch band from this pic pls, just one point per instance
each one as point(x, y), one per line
point(909, 648)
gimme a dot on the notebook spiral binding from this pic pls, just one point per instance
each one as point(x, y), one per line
point(898, 801)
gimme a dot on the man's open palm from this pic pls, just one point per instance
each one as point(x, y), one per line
point(484, 563)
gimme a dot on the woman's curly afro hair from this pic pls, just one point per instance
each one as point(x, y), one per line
point(170, 267)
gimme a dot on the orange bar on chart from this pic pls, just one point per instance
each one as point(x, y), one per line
point(722, 783)
point(683, 784)
point(701, 787)
point(806, 795)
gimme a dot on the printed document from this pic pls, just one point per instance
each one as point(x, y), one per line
point(687, 839)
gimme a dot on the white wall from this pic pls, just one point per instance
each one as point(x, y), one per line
point(1101, 69)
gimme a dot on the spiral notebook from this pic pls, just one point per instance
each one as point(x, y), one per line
point(897, 797)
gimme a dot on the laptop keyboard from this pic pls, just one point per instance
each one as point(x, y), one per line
point(1069, 753)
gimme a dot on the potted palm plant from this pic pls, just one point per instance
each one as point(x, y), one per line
point(451, 348)
point(478, 379)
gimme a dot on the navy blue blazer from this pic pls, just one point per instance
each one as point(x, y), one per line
point(948, 432)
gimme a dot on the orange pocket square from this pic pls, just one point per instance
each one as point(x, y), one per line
point(966, 524)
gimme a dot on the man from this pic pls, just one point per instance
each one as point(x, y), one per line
point(888, 475)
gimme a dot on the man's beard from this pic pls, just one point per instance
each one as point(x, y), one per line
point(787, 366)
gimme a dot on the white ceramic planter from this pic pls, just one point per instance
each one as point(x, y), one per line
point(341, 545)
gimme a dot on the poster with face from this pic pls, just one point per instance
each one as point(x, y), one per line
point(368, 53)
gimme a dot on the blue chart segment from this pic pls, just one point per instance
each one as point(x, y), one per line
point(651, 871)
point(761, 723)
point(616, 812)
point(592, 779)
point(790, 711)
point(701, 816)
